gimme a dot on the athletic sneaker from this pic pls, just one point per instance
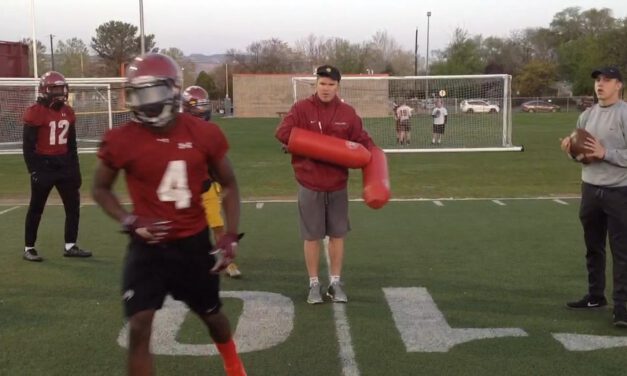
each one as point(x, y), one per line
point(232, 271)
point(32, 255)
point(588, 302)
point(76, 252)
point(314, 296)
point(336, 293)
point(620, 316)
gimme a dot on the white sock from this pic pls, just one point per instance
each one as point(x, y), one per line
point(334, 279)
point(28, 248)
point(69, 245)
point(313, 281)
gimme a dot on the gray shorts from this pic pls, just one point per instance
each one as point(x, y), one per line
point(323, 213)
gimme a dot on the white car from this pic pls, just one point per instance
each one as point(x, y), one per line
point(478, 105)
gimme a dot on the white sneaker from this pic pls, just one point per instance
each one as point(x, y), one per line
point(314, 296)
point(336, 293)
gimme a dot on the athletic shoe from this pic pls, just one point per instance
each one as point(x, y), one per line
point(232, 271)
point(32, 255)
point(76, 252)
point(336, 293)
point(620, 316)
point(588, 302)
point(314, 296)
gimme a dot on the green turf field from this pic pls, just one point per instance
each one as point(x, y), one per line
point(417, 274)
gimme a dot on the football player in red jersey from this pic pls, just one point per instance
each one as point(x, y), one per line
point(196, 102)
point(166, 156)
point(49, 147)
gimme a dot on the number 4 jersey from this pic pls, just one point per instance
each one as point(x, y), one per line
point(53, 127)
point(165, 171)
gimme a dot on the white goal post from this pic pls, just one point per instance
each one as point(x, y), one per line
point(479, 110)
point(98, 104)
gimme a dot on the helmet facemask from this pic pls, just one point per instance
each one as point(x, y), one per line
point(153, 102)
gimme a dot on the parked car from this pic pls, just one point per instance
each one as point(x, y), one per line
point(585, 102)
point(539, 106)
point(478, 105)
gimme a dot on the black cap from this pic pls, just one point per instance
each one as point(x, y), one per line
point(329, 71)
point(609, 72)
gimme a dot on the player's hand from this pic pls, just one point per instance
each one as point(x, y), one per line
point(565, 145)
point(150, 230)
point(597, 151)
point(284, 149)
point(225, 252)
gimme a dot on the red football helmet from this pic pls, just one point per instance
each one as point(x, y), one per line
point(154, 82)
point(53, 88)
point(196, 102)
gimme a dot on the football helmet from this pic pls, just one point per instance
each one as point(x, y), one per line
point(53, 88)
point(196, 102)
point(154, 89)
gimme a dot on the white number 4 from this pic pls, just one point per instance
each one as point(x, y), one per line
point(174, 187)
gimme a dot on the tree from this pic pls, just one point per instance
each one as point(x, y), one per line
point(205, 81)
point(187, 66)
point(267, 56)
point(42, 62)
point(535, 78)
point(116, 43)
point(461, 56)
point(73, 56)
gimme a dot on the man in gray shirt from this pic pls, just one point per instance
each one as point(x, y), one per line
point(603, 210)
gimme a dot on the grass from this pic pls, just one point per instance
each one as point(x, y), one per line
point(484, 265)
point(264, 171)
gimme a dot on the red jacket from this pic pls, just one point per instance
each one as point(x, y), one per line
point(335, 118)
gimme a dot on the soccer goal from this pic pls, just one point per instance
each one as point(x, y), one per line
point(478, 106)
point(97, 102)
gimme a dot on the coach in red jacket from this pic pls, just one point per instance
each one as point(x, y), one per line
point(322, 193)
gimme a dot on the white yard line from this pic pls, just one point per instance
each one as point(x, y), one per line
point(259, 205)
point(438, 203)
point(560, 202)
point(9, 209)
point(342, 328)
point(498, 202)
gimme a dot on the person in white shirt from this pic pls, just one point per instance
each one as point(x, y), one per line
point(440, 116)
point(403, 114)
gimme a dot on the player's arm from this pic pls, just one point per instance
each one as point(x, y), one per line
point(360, 135)
point(28, 147)
point(284, 129)
point(102, 192)
point(72, 147)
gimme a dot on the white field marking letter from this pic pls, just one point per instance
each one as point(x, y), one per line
point(267, 320)
point(423, 327)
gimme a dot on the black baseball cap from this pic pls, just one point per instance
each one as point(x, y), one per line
point(609, 72)
point(329, 71)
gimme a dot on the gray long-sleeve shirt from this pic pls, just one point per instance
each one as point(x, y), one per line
point(609, 126)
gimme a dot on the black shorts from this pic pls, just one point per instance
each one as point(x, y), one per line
point(179, 268)
point(438, 128)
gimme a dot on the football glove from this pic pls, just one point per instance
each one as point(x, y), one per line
point(225, 251)
point(150, 230)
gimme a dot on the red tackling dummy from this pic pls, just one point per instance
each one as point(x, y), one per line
point(376, 180)
point(327, 148)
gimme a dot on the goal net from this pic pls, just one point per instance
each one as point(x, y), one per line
point(97, 102)
point(478, 106)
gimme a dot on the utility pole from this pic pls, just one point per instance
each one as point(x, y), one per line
point(51, 51)
point(416, 54)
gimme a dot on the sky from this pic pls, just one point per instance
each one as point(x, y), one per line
point(212, 27)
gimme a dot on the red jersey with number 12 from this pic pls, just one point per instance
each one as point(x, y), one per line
point(165, 171)
point(52, 127)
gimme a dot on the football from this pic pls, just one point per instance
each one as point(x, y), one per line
point(578, 149)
